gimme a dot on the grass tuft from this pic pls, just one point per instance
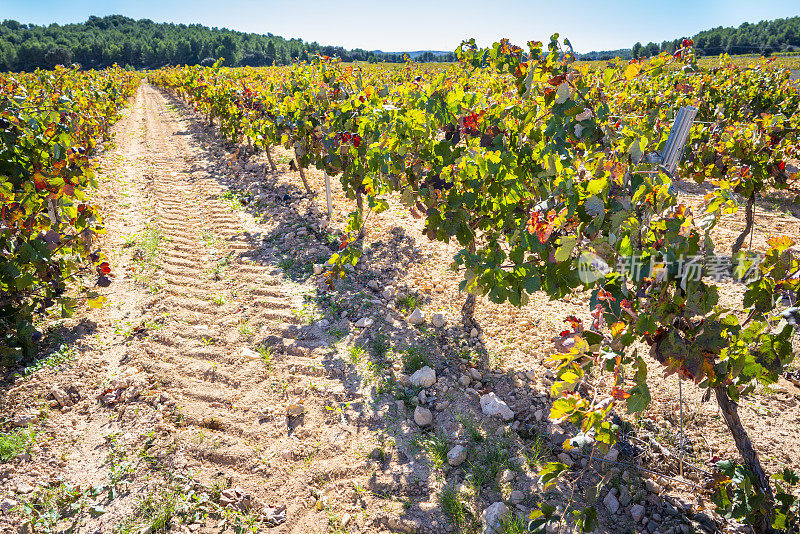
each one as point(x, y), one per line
point(16, 442)
point(414, 359)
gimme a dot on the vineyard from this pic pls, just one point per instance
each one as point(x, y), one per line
point(472, 297)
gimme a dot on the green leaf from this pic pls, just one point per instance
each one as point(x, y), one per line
point(566, 245)
point(639, 399)
point(550, 473)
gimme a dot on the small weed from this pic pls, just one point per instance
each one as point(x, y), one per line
point(157, 508)
point(236, 198)
point(61, 356)
point(408, 303)
point(336, 333)
point(435, 446)
point(266, 355)
point(414, 359)
point(307, 313)
point(472, 427)
point(220, 266)
point(335, 524)
point(245, 330)
point(219, 300)
point(16, 442)
point(356, 354)
point(148, 245)
point(380, 346)
point(537, 452)
point(287, 265)
point(46, 508)
point(511, 524)
point(453, 508)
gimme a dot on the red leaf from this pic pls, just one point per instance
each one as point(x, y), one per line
point(619, 393)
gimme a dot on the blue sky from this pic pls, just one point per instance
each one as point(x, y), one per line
point(431, 24)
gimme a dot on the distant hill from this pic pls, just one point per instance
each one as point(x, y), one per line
point(766, 37)
point(103, 41)
point(624, 53)
point(417, 53)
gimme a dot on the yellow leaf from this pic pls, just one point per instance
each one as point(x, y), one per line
point(98, 302)
point(632, 71)
point(617, 328)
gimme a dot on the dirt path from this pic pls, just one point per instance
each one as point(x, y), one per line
point(203, 367)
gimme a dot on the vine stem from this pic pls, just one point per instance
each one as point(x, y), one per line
point(269, 158)
point(683, 434)
point(748, 227)
point(728, 407)
point(302, 173)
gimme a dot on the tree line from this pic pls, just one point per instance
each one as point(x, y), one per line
point(766, 37)
point(143, 44)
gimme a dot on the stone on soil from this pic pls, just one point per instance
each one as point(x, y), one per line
point(422, 416)
point(492, 405)
point(456, 456)
point(611, 503)
point(492, 518)
point(364, 322)
point(425, 377)
point(416, 317)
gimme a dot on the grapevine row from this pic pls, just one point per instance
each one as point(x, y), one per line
point(50, 123)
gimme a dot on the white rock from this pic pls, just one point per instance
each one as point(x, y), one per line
point(364, 322)
point(493, 516)
point(473, 333)
point(492, 405)
point(318, 268)
point(373, 284)
point(249, 353)
point(322, 323)
point(476, 375)
point(507, 476)
point(516, 497)
point(464, 380)
point(438, 320)
point(637, 512)
point(456, 455)
point(612, 455)
point(652, 486)
point(23, 488)
point(388, 292)
point(425, 377)
point(422, 416)
point(611, 503)
point(538, 415)
point(416, 317)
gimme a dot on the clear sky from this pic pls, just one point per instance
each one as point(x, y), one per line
point(430, 24)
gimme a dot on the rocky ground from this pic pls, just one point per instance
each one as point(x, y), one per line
point(224, 387)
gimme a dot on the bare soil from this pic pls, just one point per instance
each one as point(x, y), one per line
point(224, 385)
